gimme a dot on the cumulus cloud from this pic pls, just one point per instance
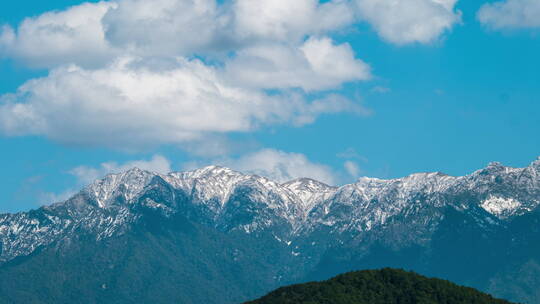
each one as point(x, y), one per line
point(286, 20)
point(409, 21)
point(165, 27)
point(317, 64)
point(134, 73)
point(134, 102)
point(510, 14)
point(53, 38)
point(90, 34)
point(276, 165)
point(86, 175)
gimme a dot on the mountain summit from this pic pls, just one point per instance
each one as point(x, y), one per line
point(253, 234)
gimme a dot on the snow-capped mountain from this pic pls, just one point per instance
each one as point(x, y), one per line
point(305, 223)
point(106, 205)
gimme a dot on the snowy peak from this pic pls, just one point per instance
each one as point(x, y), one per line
point(124, 186)
point(495, 165)
point(208, 183)
point(493, 168)
point(415, 179)
point(309, 192)
point(307, 184)
point(401, 188)
point(211, 172)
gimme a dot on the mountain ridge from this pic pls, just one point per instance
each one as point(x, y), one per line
point(213, 186)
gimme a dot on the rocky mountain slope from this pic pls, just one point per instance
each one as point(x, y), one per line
point(253, 234)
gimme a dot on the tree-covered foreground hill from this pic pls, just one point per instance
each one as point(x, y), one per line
point(385, 286)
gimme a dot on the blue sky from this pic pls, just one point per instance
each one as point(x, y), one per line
point(452, 98)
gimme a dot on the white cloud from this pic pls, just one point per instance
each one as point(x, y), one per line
point(181, 27)
point(276, 165)
point(282, 166)
point(352, 168)
point(74, 35)
point(130, 84)
point(409, 21)
point(92, 34)
point(46, 198)
point(86, 175)
point(317, 64)
point(135, 103)
point(285, 20)
point(333, 103)
point(165, 27)
point(510, 14)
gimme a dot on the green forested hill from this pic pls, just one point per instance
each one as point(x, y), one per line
point(385, 286)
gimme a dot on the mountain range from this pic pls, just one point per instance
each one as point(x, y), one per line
point(214, 235)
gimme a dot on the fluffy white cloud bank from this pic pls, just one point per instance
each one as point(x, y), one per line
point(409, 21)
point(134, 103)
point(92, 33)
point(124, 73)
point(286, 20)
point(511, 14)
point(165, 27)
point(315, 65)
point(54, 38)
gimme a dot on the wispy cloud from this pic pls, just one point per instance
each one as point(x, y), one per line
point(86, 174)
point(352, 168)
point(276, 165)
point(409, 21)
point(510, 14)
